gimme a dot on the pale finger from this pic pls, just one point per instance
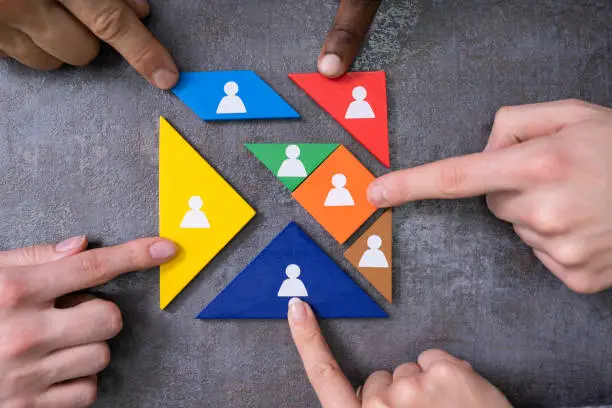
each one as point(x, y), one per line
point(40, 254)
point(375, 390)
point(324, 373)
point(114, 22)
point(430, 357)
point(71, 394)
point(89, 322)
point(59, 34)
point(19, 46)
point(457, 177)
point(95, 267)
point(516, 124)
point(406, 370)
point(75, 362)
point(533, 239)
point(346, 36)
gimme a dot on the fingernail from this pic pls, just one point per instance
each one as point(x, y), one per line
point(358, 392)
point(162, 250)
point(377, 194)
point(297, 310)
point(70, 244)
point(330, 65)
point(164, 78)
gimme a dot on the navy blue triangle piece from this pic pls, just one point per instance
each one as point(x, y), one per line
point(292, 265)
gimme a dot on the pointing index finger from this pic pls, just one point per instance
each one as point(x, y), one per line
point(95, 267)
point(457, 177)
point(324, 373)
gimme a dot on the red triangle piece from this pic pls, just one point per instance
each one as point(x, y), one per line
point(364, 118)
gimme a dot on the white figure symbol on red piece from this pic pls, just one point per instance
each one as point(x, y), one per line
point(292, 286)
point(374, 257)
point(339, 196)
point(195, 218)
point(292, 166)
point(231, 103)
point(359, 108)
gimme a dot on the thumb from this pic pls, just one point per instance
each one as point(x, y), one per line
point(344, 40)
point(40, 254)
point(457, 177)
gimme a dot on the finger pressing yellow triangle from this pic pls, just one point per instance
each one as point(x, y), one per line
point(198, 210)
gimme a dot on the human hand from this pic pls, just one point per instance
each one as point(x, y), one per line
point(51, 349)
point(346, 36)
point(44, 34)
point(437, 380)
point(547, 169)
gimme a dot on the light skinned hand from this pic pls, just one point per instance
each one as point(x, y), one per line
point(547, 169)
point(436, 380)
point(44, 34)
point(53, 345)
point(346, 36)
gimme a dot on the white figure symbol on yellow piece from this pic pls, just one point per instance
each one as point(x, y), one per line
point(339, 196)
point(292, 166)
point(374, 257)
point(359, 108)
point(292, 287)
point(231, 103)
point(195, 218)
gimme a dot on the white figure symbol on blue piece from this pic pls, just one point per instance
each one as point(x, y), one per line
point(374, 257)
point(359, 108)
point(231, 103)
point(292, 166)
point(195, 218)
point(292, 287)
point(339, 196)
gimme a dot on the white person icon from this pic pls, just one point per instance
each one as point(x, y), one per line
point(231, 103)
point(292, 286)
point(359, 108)
point(292, 166)
point(373, 257)
point(339, 196)
point(195, 218)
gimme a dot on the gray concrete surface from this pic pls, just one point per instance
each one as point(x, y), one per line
point(78, 154)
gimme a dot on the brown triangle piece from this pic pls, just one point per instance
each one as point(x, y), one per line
point(372, 254)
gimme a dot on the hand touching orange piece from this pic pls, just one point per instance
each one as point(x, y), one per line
point(547, 169)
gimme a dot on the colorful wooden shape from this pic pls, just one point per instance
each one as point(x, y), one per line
point(372, 254)
point(335, 194)
point(358, 101)
point(198, 210)
point(291, 163)
point(292, 265)
point(231, 95)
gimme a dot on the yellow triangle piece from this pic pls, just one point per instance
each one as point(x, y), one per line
point(198, 210)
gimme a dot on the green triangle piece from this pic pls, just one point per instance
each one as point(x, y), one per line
point(292, 163)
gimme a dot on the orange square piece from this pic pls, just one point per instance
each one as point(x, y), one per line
point(335, 194)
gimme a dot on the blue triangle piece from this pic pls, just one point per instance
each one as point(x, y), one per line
point(231, 95)
point(263, 289)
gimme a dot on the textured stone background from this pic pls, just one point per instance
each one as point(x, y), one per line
point(78, 154)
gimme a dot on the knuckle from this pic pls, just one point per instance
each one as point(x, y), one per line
point(569, 253)
point(324, 370)
point(109, 23)
point(101, 355)
point(451, 180)
point(546, 219)
point(142, 54)
point(93, 267)
point(87, 394)
point(374, 401)
point(345, 35)
point(501, 115)
point(22, 340)
point(11, 291)
point(15, 380)
point(549, 165)
point(113, 319)
point(405, 389)
point(444, 370)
